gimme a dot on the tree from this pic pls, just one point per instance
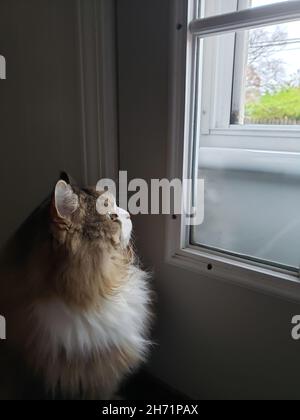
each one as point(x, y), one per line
point(272, 96)
point(262, 65)
point(294, 80)
point(264, 43)
point(253, 84)
point(282, 106)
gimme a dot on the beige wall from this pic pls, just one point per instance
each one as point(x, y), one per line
point(40, 120)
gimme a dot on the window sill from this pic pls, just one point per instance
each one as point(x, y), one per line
point(251, 276)
point(276, 131)
point(281, 163)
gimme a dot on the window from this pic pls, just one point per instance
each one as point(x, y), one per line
point(243, 120)
point(257, 3)
point(267, 80)
point(217, 7)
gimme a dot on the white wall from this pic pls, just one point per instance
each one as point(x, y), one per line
point(215, 340)
point(40, 104)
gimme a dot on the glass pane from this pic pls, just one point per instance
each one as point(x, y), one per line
point(252, 197)
point(258, 3)
point(250, 213)
point(217, 7)
point(270, 93)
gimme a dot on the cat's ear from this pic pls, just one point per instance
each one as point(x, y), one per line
point(64, 176)
point(65, 201)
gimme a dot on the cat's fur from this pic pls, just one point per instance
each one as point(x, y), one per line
point(75, 301)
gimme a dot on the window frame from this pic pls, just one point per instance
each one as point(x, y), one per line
point(182, 126)
point(222, 79)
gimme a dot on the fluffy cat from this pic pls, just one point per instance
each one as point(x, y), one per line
point(75, 300)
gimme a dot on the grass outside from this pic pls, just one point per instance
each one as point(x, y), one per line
point(282, 107)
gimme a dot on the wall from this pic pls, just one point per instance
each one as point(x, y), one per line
point(215, 340)
point(40, 103)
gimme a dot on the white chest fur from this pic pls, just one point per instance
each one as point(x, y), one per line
point(119, 322)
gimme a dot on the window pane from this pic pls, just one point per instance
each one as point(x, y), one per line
point(217, 7)
point(258, 3)
point(250, 212)
point(270, 93)
point(252, 196)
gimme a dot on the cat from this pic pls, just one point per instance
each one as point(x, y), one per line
point(76, 303)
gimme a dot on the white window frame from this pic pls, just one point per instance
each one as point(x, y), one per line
point(219, 73)
point(182, 128)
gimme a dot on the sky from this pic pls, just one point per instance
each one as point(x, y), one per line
point(291, 54)
point(256, 3)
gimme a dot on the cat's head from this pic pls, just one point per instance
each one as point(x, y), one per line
point(86, 217)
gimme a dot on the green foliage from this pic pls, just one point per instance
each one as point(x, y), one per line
point(281, 105)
